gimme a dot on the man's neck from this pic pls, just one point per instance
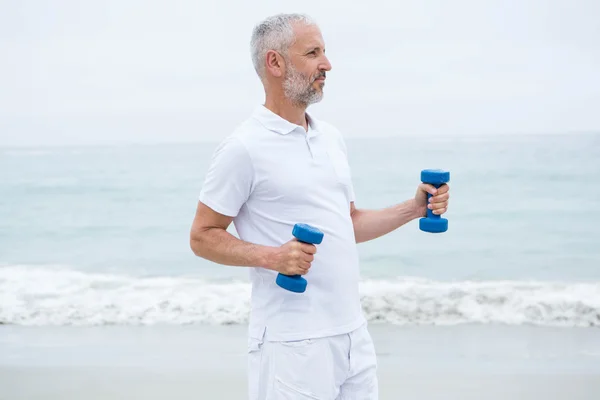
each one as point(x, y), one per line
point(288, 111)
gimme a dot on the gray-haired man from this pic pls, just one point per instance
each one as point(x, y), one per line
point(283, 166)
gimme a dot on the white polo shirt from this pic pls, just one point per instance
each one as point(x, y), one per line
point(269, 175)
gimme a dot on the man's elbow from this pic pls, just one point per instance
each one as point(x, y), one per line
point(197, 244)
point(194, 246)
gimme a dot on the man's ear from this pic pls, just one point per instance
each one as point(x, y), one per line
point(275, 64)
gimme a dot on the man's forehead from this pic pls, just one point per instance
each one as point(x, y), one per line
point(308, 36)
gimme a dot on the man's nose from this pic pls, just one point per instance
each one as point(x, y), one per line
point(325, 65)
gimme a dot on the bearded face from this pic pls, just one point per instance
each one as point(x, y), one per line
point(303, 89)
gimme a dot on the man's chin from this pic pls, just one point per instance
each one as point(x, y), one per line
point(316, 100)
point(308, 100)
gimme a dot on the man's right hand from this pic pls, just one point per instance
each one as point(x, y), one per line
point(292, 258)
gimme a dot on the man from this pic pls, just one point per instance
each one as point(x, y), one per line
point(280, 167)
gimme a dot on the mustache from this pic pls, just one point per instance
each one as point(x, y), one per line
point(320, 75)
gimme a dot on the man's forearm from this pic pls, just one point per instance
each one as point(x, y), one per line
point(219, 246)
point(371, 224)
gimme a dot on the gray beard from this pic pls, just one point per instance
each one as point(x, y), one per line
point(299, 90)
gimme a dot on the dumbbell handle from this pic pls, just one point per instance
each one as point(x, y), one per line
point(430, 213)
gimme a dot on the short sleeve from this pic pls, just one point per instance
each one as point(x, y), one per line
point(228, 182)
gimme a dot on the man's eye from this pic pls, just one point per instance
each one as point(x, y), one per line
point(314, 53)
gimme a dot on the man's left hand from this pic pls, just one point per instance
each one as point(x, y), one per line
point(438, 202)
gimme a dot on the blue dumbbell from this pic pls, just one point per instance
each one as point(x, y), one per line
point(306, 234)
point(434, 223)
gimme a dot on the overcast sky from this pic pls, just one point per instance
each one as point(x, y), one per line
point(82, 72)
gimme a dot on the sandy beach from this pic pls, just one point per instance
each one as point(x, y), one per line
point(208, 362)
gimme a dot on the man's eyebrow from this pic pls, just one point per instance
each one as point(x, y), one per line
point(317, 47)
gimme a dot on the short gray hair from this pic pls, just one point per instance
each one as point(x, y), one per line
point(274, 33)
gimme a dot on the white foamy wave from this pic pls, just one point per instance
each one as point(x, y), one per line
point(420, 301)
point(58, 296)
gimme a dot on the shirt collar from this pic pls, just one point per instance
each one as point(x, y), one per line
point(275, 123)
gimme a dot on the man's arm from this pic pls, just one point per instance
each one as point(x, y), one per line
point(209, 239)
point(371, 224)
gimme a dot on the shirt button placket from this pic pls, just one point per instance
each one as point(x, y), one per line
point(310, 149)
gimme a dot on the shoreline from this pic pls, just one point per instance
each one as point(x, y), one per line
point(200, 361)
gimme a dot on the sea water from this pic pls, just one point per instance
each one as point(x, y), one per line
point(100, 234)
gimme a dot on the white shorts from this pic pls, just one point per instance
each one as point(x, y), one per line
point(341, 367)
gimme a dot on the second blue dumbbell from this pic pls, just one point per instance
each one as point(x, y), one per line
point(306, 234)
point(434, 223)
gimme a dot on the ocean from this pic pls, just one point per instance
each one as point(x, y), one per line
point(99, 235)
